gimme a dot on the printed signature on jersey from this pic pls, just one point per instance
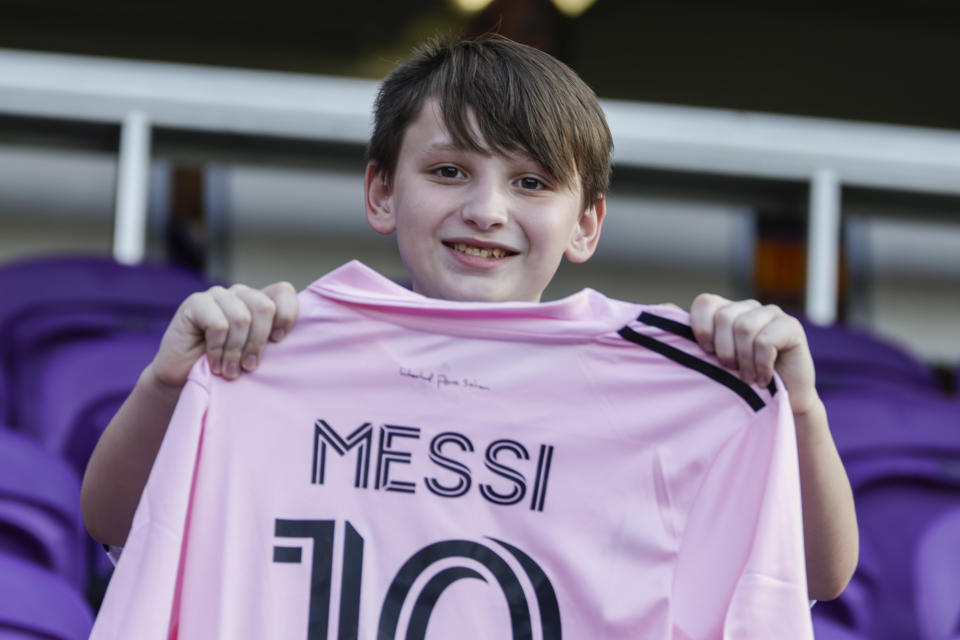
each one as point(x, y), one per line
point(442, 380)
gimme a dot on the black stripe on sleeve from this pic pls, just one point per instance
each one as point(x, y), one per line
point(674, 327)
point(684, 331)
point(725, 378)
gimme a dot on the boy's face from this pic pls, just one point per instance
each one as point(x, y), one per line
point(477, 226)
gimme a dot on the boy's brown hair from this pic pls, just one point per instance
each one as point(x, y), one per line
point(523, 100)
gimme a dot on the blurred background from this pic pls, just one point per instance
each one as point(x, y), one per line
point(806, 154)
point(254, 202)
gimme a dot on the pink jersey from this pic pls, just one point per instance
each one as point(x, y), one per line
point(403, 467)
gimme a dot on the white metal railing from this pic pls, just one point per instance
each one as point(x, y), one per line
point(823, 249)
point(138, 96)
point(130, 235)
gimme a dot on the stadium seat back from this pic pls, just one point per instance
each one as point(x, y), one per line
point(937, 575)
point(67, 381)
point(898, 498)
point(40, 507)
point(846, 357)
point(891, 422)
point(57, 298)
point(40, 605)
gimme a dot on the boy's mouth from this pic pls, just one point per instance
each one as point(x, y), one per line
point(483, 252)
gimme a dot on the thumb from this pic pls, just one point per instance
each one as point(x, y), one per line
point(284, 296)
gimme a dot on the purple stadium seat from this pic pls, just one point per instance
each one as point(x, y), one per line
point(72, 389)
point(847, 357)
point(50, 281)
point(38, 331)
point(901, 449)
point(63, 297)
point(827, 629)
point(898, 498)
point(40, 508)
point(937, 574)
point(870, 422)
point(40, 605)
point(66, 381)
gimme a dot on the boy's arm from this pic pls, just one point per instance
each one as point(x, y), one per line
point(756, 340)
point(231, 326)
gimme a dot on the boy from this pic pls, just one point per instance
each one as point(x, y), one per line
point(490, 160)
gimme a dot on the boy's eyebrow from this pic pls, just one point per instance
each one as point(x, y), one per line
point(444, 146)
point(452, 147)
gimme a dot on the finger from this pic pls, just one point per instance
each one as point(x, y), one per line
point(781, 335)
point(262, 312)
point(702, 312)
point(239, 319)
point(209, 326)
point(746, 328)
point(284, 297)
point(723, 324)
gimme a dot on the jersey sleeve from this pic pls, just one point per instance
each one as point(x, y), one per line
point(141, 599)
point(741, 570)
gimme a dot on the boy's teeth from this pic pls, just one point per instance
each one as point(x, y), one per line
point(483, 252)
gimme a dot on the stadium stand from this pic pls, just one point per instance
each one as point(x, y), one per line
point(901, 449)
point(827, 629)
point(36, 604)
point(937, 576)
point(67, 382)
point(899, 437)
point(848, 357)
point(65, 298)
point(40, 508)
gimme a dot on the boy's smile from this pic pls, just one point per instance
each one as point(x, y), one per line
point(477, 225)
point(479, 250)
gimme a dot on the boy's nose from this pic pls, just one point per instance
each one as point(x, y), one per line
point(485, 207)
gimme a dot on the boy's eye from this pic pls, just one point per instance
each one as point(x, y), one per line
point(448, 172)
point(532, 184)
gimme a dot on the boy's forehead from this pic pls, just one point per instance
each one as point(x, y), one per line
point(434, 132)
point(428, 133)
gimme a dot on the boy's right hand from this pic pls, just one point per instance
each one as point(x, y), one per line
point(231, 326)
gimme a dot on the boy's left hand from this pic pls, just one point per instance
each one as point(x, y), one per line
point(755, 340)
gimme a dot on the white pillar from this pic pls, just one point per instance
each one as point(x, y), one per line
point(823, 247)
point(130, 220)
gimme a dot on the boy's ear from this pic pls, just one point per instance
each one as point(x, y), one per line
point(378, 196)
point(586, 234)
